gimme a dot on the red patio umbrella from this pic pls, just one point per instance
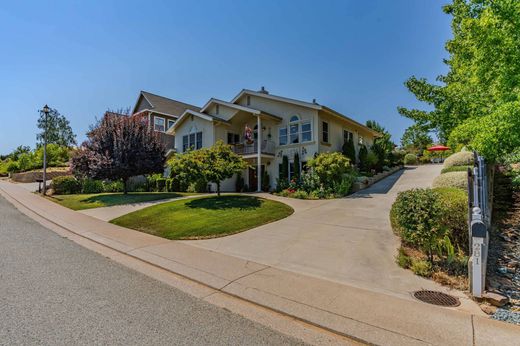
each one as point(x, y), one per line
point(438, 148)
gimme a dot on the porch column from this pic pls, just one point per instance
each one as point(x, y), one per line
point(259, 155)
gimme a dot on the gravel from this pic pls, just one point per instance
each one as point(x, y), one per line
point(54, 292)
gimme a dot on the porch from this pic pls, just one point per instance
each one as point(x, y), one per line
point(267, 147)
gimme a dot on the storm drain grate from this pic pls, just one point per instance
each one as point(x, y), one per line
point(436, 298)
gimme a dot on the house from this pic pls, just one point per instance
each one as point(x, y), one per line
point(264, 128)
point(162, 113)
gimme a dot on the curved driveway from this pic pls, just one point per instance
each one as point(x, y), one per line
point(346, 240)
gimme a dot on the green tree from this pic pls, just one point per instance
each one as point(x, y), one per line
point(58, 129)
point(284, 172)
point(213, 164)
point(363, 155)
point(382, 146)
point(484, 69)
point(330, 167)
point(415, 139)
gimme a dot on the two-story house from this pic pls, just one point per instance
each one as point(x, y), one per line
point(162, 113)
point(264, 128)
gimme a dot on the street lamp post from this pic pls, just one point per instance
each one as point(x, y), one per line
point(45, 111)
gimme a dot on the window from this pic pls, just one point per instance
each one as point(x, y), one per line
point(306, 132)
point(347, 136)
point(217, 109)
point(158, 124)
point(198, 143)
point(192, 141)
point(248, 100)
point(283, 136)
point(291, 170)
point(294, 135)
point(233, 138)
point(325, 132)
point(298, 131)
point(170, 123)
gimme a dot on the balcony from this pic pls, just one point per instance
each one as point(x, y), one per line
point(267, 148)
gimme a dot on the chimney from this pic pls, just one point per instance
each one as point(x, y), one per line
point(314, 101)
point(263, 91)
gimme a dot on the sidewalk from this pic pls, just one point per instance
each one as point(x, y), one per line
point(372, 317)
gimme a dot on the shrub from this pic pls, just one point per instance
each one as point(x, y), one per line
point(160, 184)
point(362, 155)
point(330, 167)
point(415, 217)
point(372, 160)
point(452, 179)
point(396, 157)
point(239, 184)
point(152, 181)
point(454, 216)
point(198, 186)
point(410, 159)
point(462, 158)
point(421, 267)
point(343, 187)
point(92, 186)
point(300, 194)
point(265, 181)
point(349, 150)
point(402, 259)
point(113, 186)
point(455, 169)
point(310, 181)
point(66, 185)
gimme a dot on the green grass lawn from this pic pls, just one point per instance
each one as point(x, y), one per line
point(205, 217)
point(89, 201)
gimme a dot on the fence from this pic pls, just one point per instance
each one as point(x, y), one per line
point(480, 210)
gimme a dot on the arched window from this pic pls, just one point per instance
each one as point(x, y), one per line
point(294, 118)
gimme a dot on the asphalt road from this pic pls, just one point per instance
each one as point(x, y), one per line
point(54, 292)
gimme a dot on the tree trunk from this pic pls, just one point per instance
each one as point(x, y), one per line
point(218, 188)
point(125, 189)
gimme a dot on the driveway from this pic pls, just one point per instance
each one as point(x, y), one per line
point(345, 240)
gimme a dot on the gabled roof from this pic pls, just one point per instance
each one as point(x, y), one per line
point(238, 107)
point(311, 105)
point(164, 105)
point(189, 112)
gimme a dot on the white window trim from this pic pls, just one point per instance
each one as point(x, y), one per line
point(300, 124)
point(323, 131)
point(195, 142)
point(168, 123)
point(351, 134)
point(155, 117)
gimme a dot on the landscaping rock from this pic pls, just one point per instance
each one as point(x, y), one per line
point(495, 299)
point(488, 309)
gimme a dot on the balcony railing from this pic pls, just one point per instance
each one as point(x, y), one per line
point(267, 147)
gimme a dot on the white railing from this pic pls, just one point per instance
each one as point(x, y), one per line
point(267, 147)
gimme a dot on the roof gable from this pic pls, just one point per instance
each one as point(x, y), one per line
point(161, 104)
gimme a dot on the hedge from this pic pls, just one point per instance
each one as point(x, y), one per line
point(452, 179)
point(462, 158)
point(410, 159)
point(455, 215)
point(455, 169)
point(66, 185)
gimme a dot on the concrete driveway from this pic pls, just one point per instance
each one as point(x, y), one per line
point(345, 240)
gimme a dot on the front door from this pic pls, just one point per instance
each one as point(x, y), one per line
point(253, 177)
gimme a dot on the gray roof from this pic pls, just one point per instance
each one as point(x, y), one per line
point(165, 105)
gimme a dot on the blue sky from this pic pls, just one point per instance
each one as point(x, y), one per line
point(83, 57)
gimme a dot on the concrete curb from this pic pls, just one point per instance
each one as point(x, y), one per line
point(358, 314)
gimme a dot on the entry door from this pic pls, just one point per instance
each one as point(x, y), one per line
point(253, 177)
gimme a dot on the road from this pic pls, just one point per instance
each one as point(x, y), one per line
point(55, 292)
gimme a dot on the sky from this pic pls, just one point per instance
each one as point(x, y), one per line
point(84, 57)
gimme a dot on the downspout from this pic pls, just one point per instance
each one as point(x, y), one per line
point(259, 155)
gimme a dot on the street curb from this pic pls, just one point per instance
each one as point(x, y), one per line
point(18, 204)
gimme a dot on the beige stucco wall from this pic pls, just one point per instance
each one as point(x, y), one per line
point(195, 124)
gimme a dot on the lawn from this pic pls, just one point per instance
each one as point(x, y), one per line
point(205, 217)
point(89, 201)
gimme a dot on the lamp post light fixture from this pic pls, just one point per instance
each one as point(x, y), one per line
point(46, 110)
